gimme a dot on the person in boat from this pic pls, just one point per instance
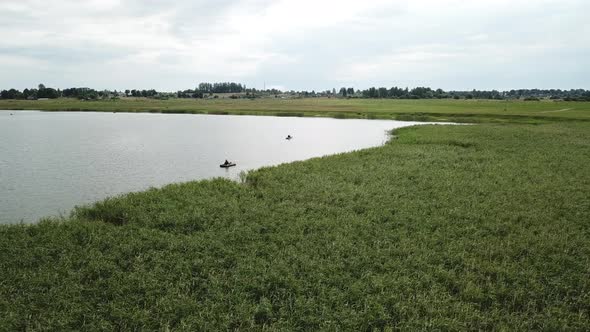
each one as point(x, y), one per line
point(226, 162)
point(289, 137)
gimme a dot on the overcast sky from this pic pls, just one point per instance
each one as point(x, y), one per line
point(295, 44)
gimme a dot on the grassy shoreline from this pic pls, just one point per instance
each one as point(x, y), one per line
point(408, 110)
point(444, 227)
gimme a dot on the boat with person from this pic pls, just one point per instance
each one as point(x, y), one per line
point(227, 164)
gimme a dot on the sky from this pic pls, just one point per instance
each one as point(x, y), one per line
point(295, 44)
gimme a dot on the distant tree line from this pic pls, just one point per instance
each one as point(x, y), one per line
point(141, 93)
point(41, 92)
point(90, 94)
point(428, 93)
point(226, 87)
point(204, 89)
point(237, 90)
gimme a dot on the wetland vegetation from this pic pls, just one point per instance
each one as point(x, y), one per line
point(473, 110)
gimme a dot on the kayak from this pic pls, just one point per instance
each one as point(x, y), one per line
point(227, 165)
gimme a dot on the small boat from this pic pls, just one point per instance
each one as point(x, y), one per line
point(228, 165)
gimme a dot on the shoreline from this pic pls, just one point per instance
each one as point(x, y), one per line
point(63, 211)
point(462, 111)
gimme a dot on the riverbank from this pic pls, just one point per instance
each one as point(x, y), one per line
point(397, 109)
point(444, 227)
point(53, 161)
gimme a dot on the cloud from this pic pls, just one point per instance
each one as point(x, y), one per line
point(303, 44)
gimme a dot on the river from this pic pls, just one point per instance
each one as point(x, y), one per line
point(53, 161)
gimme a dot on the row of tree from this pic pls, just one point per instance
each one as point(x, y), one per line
point(239, 91)
point(41, 92)
point(142, 93)
point(225, 87)
point(428, 93)
point(89, 94)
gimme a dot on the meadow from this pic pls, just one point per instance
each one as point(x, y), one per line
point(399, 109)
point(476, 227)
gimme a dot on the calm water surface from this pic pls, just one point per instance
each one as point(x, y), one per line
point(51, 162)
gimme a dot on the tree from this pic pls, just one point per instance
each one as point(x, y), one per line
point(50, 93)
point(343, 92)
point(8, 94)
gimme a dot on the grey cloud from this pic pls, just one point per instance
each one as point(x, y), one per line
point(173, 45)
point(61, 56)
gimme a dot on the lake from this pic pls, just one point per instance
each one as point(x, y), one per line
point(53, 161)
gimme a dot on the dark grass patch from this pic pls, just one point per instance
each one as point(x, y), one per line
point(289, 114)
point(343, 115)
point(218, 112)
point(420, 117)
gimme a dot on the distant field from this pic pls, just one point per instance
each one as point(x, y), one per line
point(420, 110)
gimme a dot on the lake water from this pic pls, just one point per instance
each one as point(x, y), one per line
point(53, 161)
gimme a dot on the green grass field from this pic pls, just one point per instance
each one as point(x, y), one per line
point(482, 227)
point(425, 110)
